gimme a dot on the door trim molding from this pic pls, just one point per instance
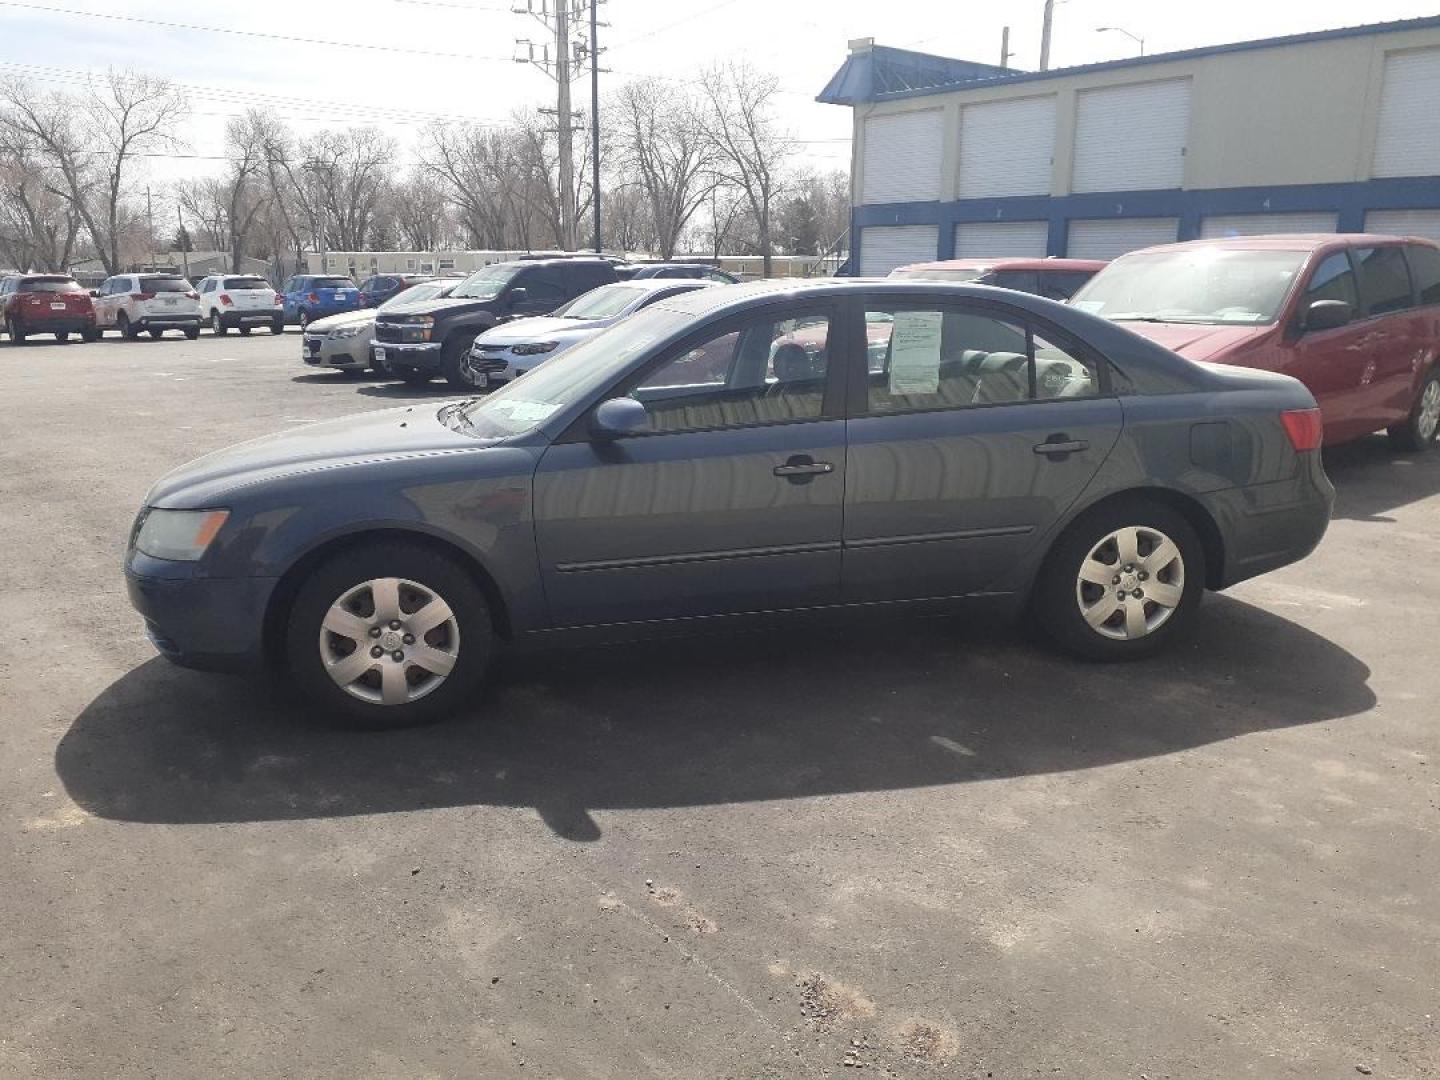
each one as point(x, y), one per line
point(927, 538)
point(694, 557)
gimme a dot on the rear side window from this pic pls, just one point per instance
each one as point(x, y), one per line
point(583, 277)
point(1425, 267)
point(49, 285)
point(1384, 279)
point(1334, 279)
point(164, 284)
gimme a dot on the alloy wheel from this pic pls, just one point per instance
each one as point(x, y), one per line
point(1130, 583)
point(1428, 422)
point(389, 641)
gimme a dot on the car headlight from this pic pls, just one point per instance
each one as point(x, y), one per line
point(420, 320)
point(534, 348)
point(179, 535)
point(346, 332)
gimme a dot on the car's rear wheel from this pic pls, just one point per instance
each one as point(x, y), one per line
point(455, 363)
point(1121, 581)
point(278, 326)
point(217, 324)
point(192, 332)
point(244, 331)
point(127, 331)
point(1420, 428)
point(389, 635)
point(62, 336)
point(156, 335)
point(304, 319)
point(93, 334)
point(17, 334)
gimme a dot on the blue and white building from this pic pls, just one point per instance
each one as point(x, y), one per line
point(1321, 132)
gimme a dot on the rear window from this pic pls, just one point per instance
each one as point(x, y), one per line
point(332, 283)
point(164, 284)
point(48, 285)
point(245, 283)
point(1425, 266)
point(1384, 279)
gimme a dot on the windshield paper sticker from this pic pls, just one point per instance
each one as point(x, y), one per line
point(915, 352)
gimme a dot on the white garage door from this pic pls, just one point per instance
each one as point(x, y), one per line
point(1108, 238)
point(1407, 142)
point(1006, 147)
point(993, 239)
point(884, 247)
point(902, 157)
point(1258, 224)
point(1131, 138)
point(1404, 223)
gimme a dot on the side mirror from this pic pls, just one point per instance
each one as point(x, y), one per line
point(618, 418)
point(1327, 315)
point(518, 295)
point(94, 292)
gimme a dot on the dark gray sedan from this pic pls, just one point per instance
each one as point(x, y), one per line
point(736, 454)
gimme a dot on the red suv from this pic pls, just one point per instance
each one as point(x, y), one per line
point(46, 304)
point(1054, 278)
point(1354, 317)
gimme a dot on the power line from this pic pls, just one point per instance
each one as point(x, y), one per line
point(671, 25)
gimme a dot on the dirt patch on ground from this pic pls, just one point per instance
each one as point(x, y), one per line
point(921, 1040)
point(825, 1002)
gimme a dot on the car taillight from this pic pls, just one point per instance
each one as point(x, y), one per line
point(1304, 427)
point(142, 296)
point(279, 300)
point(225, 299)
point(314, 298)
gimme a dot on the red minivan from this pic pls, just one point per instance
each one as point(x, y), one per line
point(46, 304)
point(1355, 317)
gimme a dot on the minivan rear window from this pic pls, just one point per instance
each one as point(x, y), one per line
point(48, 285)
point(245, 283)
point(164, 284)
point(1425, 266)
point(1384, 279)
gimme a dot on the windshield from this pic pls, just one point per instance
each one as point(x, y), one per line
point(524, 404)
point(427, 291)
point(603, 303)
point(486, 284)
point(1193, 285)
point(937, 275)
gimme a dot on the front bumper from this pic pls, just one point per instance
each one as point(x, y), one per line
point(416, 357)
point(214, 624)
point(342, 353)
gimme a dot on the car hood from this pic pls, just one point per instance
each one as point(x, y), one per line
point(432, 307)
point(541, 328)
point(1195, 341)
point(334, 322)
point(411, 431)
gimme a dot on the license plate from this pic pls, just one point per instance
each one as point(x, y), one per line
point(380, 356)
point(57, 307)
point(481, 378)
point(171, 303)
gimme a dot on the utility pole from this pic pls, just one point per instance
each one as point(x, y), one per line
point(1045, 35)
point(182, 237)
point(150, 224)
point(595, 117)
point(1005, 52)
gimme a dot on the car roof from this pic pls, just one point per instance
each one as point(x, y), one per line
point(1288, 242)
point(655, 284)
point(745, 294)
point(1009, 263)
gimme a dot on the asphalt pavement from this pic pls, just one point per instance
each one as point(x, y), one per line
point(917, 849)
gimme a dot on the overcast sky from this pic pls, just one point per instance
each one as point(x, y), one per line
point(399, 63)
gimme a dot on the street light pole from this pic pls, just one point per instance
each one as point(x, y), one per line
point(1121, 30)
point(595, 117)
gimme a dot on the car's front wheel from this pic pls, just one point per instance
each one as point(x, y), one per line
point(1121, 581)
point(389, 635)
point(455, 363)
point(1420, 428)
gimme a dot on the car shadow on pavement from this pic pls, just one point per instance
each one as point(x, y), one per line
point(723, 719)
point(399, 391)
point(1371, 478)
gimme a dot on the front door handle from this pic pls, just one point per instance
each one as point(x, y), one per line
point(1058, 445)
point(801, 469)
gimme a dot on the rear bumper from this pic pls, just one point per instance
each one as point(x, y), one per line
point(214, 624)
point(257, 317)
point(1267, 526)
point(61, 324)
point(169, 322)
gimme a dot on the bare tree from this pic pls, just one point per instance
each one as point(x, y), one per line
point(349, 172)
point(204, 203)
point(38, 229)
point(747, 140)
point(89, 146)
point(420, 212)
point(658, 136)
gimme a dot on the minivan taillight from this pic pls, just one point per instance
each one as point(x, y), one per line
point(225, 299)
point(1304, 427)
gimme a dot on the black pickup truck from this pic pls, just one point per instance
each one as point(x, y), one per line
point(416, 342)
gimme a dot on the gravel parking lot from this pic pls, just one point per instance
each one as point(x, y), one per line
point(924, 848)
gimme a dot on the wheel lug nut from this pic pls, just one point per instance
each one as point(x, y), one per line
point(1115, 580)
point(375, 631)
point(377, 652)
point(397, 656)
point(1120, 595)
point(409, 639)
point(1144, 576)
point(1139, 594)
point(394, 624)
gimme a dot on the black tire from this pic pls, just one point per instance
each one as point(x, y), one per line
point(454, 363)
point(90, 335)
point(62, 336)
point(304, 319)
point(217, 325)
point(1419, 431)
point(278, 326)
point(156, 335)
point(17, 335)
point(440, 575)
point(411, 377)
point(1056, 600)
point(127, 331)
point(191, 332)
point(244, 331)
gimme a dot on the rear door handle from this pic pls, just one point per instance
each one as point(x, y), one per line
point(1072, 446)
point(800, 468)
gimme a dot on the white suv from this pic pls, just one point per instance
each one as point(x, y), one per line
point(155, 303)
point(242, 301)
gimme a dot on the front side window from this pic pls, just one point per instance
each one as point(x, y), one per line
point(1384, 279)
point(1425, 267)
point(938, 357)
point(542, 285)
point(768, 370)
point(1334, 279)
point(1194, 285)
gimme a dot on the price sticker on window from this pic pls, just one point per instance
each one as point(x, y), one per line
point(915, 352)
